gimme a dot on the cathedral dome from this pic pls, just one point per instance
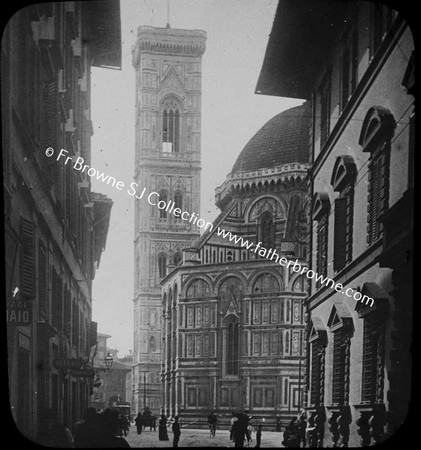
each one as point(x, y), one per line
point(282, 140)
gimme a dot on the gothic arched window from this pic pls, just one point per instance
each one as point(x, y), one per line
point(162, 265)
point(163, 197)
point(266, 283)
point(178, 203)
point(232, 348)
point(267, 230)
point(152, 344)
point(171, 127)
point(198, 288)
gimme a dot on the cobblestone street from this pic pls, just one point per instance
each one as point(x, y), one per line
point(198, 438)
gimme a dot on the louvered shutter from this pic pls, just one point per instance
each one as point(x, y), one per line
point(321, 249)
point(349, 222)
point(51, 114)
point(59, 300)
point(42, 283)
point(27, 259)
point(339, 250)
point(368, 391)
point(51, 129)
point(338, 369)
point(67, 312)
point(316, 348)
point(54, 289)
point(373, 358)
point(377, 195)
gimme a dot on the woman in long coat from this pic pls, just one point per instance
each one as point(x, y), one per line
point(162, 432)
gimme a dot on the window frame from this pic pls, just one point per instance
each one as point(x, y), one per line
point(343, 181)
point(162, 265)
point(375, 137)
point(341, 326)
point(321, 213)
point(171, 125)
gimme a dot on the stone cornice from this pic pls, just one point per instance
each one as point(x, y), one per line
point(169, 41)
point(240, 180)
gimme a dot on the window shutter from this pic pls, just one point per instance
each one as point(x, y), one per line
point(368, 391)
point(339, 251)
point(338, 370)
point(322, 246)
point(42, 283)
point(377, 195)
point(67, 312)
point(51, 128)
point(54, 304)
point(316, 348)
point(59, 301)
point(27, 259)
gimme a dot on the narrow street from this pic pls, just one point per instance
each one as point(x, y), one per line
point(198, 438)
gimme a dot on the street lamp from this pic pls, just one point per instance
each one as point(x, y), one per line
point(109, 361)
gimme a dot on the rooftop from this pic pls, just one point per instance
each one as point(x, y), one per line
point(284, 139)
point(302, 34)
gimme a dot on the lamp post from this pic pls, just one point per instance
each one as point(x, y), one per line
point(109, 361)
point(144, 390)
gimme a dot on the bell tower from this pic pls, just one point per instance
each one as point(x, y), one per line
point(168, 65)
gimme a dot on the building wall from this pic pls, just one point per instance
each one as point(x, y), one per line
point(50, 253)
point(357, 420)
point(168, 78)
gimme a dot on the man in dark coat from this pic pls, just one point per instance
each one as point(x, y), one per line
point(239, 429)
point(176, 430)
point(138, 422)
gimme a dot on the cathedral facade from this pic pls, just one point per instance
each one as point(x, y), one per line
point(168, 104)
point(233, 317)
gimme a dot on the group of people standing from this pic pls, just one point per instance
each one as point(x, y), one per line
point(241, 430)
point(162, 426)
point(295, 432)
point(162, 430)
point(95, 430)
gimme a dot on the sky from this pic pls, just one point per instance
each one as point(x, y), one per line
point(237, 36)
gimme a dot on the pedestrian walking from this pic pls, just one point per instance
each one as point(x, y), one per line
point(302, 425)
point(87, 429)
point(258, 436)
point(176, 431)
point(240, 430)
point(162, 430)
point(138, 422)
point(212, 421)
